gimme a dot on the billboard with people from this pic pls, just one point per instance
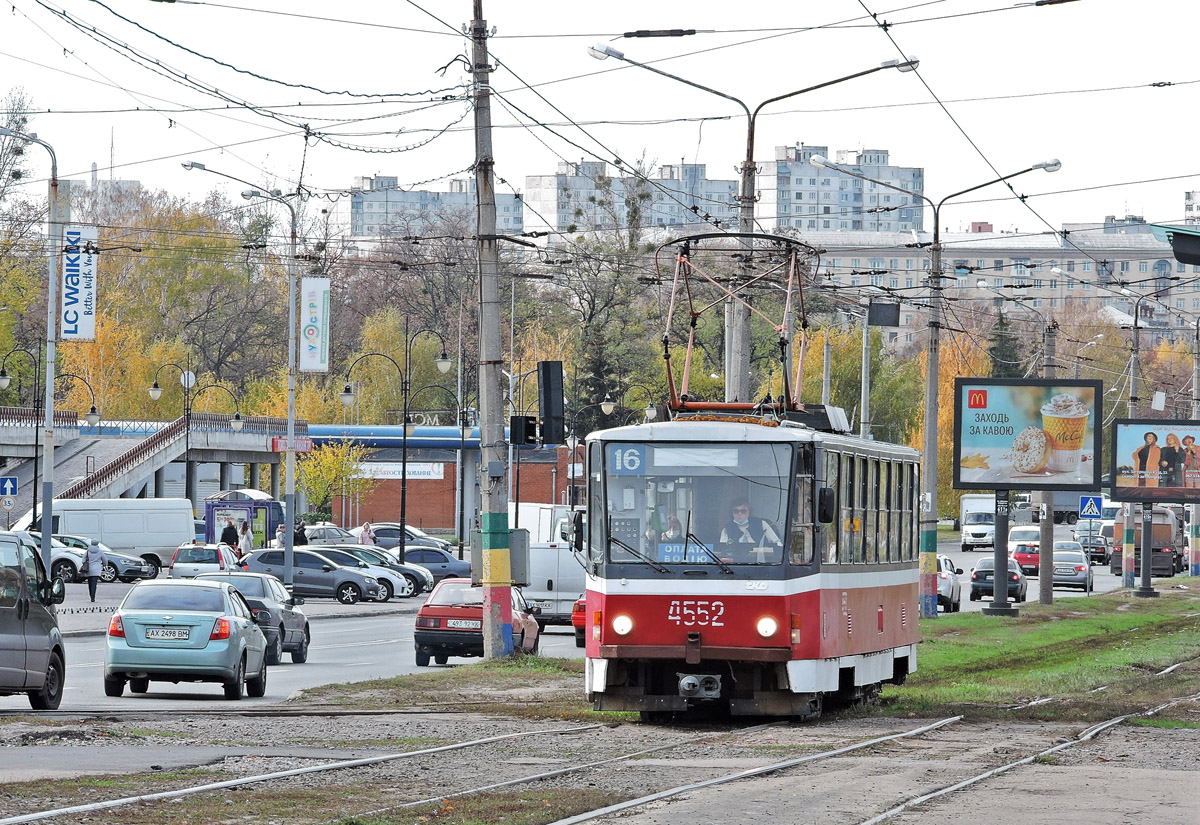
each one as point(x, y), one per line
point(1155, 459)
point(1027, 434)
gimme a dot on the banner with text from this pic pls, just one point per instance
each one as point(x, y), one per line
point(417, 470)
point(314, 325)
point(1026, 434)
point(1155, 460)
point(77, 312)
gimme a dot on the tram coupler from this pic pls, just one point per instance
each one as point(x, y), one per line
point(699, 686)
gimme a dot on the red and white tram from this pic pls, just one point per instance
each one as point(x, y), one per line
point(753, 557)
point(815, 594)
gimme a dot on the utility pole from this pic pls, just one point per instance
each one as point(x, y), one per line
point(1046, 497)
point(497, 570)
point(864, 404)
point(928, 516)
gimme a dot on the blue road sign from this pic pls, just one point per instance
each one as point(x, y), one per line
point(8, 485)
point(1089, 507)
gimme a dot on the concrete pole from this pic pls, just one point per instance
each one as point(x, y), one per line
point(497, 569)
point(289, 480)
point(864, 404)
point(54, 240)
point(826, 389)
point(1127, 549)
point(737, 313)
point(1046, 497)
point(928, 516)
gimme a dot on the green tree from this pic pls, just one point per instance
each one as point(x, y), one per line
point(331, 470)
point(1004, 350)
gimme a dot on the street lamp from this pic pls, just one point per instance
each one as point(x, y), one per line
point(347, 395)
point(5, 380)
point(737, 331)
point(53, 246)
point(1079, 352)
point(289, 495)
point(609, 405)
point(91, 416)
point(929, 472)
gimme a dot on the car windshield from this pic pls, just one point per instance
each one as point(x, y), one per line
point(174, 597)
point(457, 593)
point(990, 564)
point(368, 556)
point(980, 518)
point(251, 586)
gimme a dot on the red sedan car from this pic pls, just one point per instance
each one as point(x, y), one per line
point(579, 620)
point(450, 623)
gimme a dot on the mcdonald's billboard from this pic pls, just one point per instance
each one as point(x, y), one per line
point(1027, 434)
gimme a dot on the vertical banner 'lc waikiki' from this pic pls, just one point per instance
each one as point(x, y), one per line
point(77, 314)
point(314, 325)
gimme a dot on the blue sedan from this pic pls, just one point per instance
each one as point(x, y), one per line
point(185, 631)
point(441, 563)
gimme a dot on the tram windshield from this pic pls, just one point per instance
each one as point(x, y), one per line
point(688, 503)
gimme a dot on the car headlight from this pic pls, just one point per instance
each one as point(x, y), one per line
point(370, 580)
point(622, 625)
point(766, 627)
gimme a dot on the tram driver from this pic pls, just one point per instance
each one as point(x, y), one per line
point(746, 538)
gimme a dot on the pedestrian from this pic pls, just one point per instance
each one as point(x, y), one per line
point(94, 560)
point(230, 534)
point(280, 535)
point(245, 543)
point(366, 536)
point(299, 535)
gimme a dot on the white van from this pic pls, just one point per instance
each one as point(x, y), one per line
point(555, 576)
point(150, 528)
point(32, 657)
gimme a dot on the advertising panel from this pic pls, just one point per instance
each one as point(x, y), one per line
point(1155, 460)
point(77, 313)
point(314, 325)
point(1027, 434)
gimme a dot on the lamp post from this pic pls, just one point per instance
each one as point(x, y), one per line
point(289, 481)
point(405, 372)
point(5, 380)
point(737, 324)
point(54, 247)
point(608, 405)
point(91, 416)
point(573, 447)
point(1079, 354)
point(929, 472)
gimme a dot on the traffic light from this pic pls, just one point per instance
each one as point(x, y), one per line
point(522, 429)
point(550, 402)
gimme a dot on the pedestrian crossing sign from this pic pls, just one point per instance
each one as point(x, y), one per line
point(1089, 507)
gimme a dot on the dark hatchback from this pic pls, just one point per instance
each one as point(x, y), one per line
point(982, 585)
point(288, 628)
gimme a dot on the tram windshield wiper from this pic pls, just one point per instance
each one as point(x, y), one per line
point(636, 553)
point(725, 568)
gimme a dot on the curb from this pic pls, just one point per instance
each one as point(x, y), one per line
point(361, 614)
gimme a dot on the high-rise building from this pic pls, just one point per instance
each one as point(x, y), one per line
point(794, 193)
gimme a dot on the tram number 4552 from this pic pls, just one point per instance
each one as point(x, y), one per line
point(693, 613)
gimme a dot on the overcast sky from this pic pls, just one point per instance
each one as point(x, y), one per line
point(1016, 83)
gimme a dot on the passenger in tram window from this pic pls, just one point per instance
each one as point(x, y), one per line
point(745, 537)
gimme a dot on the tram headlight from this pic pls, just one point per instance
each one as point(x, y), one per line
point(622, 625)
point(766, 627)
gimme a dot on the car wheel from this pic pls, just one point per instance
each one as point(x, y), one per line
point(300, 654)
point(114, 686)
point(385, 590)
point(154, 567)
point(128, 579)
point(966, 549)
point(51, 693)
point(974, 596)
point(257, 687)
point(579, 640)
point(63, 569)
point(409, 588)
point(109, 573)
point(441, 658)
point(348, 593)
point(139, 685)
point(234, 688)
point(274, 654)
point(958, 604)
point(422, 659)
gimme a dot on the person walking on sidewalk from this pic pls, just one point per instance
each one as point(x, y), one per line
point(94, 561)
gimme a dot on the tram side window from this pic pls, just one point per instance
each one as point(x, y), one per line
point(909, 493)
point(829, 532)
point(849, 533)
point(871, 511)
point(887, 526)
point(802, 524)
point(860, 507)
point(597, 512)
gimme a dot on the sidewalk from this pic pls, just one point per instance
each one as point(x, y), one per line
point(77, 616)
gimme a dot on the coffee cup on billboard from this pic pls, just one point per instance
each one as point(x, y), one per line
point(1065, 419)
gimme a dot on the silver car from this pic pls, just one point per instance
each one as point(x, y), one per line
point(1072, 567)
point(121, 566)
point(316, 576)
point(949, 595)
